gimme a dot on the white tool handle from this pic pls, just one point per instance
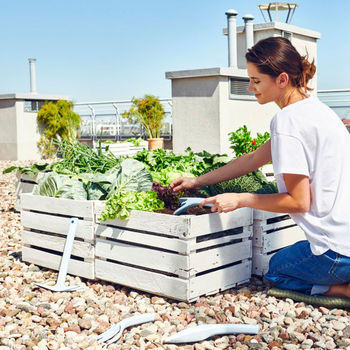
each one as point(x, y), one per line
point(137, 319)
point(205, 331)
point(67, 252)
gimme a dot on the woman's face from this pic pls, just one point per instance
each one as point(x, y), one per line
point(264, 87)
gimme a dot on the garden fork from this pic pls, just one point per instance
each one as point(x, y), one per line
point(62, 273)
point(115, 332)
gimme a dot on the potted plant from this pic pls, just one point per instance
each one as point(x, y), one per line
point(149, 112)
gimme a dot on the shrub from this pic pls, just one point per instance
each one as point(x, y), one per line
point(58, 122)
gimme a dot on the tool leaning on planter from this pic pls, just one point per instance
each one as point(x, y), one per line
point(62, 273)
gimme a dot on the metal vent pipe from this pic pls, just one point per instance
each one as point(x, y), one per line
point(232, 37)
point(249, 31)
point(32, 75)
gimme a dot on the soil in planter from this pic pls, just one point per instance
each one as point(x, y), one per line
point(191, 211)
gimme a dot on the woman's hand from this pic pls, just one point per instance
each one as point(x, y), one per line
point(184, 183)
point(223, 203)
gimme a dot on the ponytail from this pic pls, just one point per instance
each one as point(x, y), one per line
point(308, 70)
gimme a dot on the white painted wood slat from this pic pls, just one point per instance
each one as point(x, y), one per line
point(52, 261)
point(81, 249)
point(142, 256)
point(215, 222)
point(152, 240)
point(222, 279)
point(153, 222)
point(283, 238)
point(144, 280)
point(69, 207)
point(186, 226)
point(56, 224)
point(247, 232)
point(220, 256)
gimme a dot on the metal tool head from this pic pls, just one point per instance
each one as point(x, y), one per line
point(189, 202)
point(59, 288)
point(114, 333)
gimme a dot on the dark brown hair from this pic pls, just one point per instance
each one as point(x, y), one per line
point(276, 55)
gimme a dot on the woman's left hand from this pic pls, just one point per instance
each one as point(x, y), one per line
point(223, 203)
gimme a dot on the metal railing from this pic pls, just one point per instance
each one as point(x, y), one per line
point(104, 120)
point(338, 100)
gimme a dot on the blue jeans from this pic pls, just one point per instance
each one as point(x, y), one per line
point(297, 268)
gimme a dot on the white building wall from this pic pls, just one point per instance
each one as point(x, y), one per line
point(196, 107)
point(19, 132)
point(27, 134)
point(236, 113)
point(8, 130)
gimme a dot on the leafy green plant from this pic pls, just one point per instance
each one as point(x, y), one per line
point(60, 186)
point(160, 161)
point(122, 203)
point(242, 141)
point(80, 158)
point(251, 182)
point(59, 122)
point(149, 112)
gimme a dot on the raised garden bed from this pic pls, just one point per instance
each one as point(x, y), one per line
point(125, 148)
point(25, 184)
point(271, 232)
point(182, 257)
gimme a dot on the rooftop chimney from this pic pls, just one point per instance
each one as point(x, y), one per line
point(32, 75)
point(232, 37)
point(249, 31)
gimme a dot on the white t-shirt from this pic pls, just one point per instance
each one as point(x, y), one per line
point(308, 138)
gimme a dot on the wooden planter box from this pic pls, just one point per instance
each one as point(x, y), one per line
point(181, 257)
point(267, 170)
point(25, 184)
point(125, 148)
point(45, 222)
point(272, 232)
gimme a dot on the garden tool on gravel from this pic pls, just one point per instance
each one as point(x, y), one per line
point(204, 331)
point(62, 273)
point(189, 202)
point(115, 332)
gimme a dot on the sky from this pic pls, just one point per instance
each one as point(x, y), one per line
point(115, 50)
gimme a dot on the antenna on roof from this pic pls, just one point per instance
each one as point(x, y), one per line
point(278, 6)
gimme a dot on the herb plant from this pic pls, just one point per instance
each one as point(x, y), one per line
point(242, 141)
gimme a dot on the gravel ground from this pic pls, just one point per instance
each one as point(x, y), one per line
point(32, 318)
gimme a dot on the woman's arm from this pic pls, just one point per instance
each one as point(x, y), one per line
point(236, 168)
point(295, 200)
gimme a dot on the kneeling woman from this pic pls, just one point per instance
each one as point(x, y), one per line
point(309, 148)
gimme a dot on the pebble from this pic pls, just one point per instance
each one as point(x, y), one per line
point(35, 319)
